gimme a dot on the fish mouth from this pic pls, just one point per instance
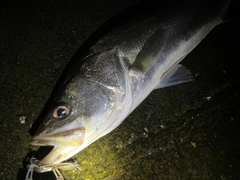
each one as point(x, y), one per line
point(65, 144)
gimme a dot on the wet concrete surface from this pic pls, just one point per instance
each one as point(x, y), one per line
point(189, 131)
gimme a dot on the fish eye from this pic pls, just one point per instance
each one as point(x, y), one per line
point(61, 112)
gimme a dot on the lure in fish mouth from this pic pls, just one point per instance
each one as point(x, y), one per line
point(119, 71)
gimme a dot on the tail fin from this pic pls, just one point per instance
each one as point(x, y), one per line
point(231, 11)
point(224, 11)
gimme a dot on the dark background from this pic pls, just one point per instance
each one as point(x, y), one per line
point(189, 131)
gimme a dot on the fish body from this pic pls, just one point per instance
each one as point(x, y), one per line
point(120, 69)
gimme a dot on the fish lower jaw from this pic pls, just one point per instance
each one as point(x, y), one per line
point(56, 156)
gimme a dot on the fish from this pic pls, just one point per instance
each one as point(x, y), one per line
point(137, 51)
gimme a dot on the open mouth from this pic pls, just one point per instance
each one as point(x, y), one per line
point(65, 144)
point(72, 137)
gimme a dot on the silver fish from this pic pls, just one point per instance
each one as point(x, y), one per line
point(140, 53)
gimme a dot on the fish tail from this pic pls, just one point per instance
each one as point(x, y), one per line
point(220, 7)
point(224, 10)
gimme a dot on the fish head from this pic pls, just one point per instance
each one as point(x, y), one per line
point(91, 102)
point(77, 117)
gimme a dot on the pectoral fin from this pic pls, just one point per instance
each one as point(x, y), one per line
point(154, 54)
point(150, 52)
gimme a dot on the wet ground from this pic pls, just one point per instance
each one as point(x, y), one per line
point(189, 131)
